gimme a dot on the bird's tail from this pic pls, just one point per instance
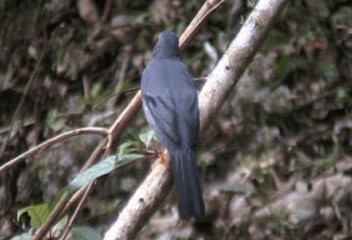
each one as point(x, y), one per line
point(188, 185)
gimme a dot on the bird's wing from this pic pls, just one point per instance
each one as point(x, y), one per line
point(187, 105)
point(160, 114)
point(191, 117)
point(170, 97)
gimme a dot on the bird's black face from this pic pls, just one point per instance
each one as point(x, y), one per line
point(167, 46)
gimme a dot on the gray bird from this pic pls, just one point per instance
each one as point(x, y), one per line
point(170, 104)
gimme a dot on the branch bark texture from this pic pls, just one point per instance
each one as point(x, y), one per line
point(237, 57)
point(219, 84)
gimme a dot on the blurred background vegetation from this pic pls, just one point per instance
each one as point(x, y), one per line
point(276, 162)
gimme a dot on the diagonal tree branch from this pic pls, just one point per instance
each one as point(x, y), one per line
point(219, 84)
point(237, 57)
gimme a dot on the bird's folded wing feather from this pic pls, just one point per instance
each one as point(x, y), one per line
point(161, 109)
point(188, 106)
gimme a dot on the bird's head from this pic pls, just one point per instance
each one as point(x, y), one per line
point(167, 46)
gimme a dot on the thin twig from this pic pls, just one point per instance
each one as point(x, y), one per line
point(43, 146)
point(29, 84)
point(206, 10)
point(107, 10)
point(77, 210)
point(118, 94)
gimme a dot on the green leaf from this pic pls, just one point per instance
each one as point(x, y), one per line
point(101, 168)
point(147, 137)
point(282, 67)
point(38, 214)
point(54, 121)
point(126, 148)
point(342, 96)
point(85, 233)
point(97, 89)
point(61, 224)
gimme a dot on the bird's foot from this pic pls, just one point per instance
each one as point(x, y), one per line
point(163, 160)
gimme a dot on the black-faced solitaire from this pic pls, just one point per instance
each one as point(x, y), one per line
point(170, 104)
